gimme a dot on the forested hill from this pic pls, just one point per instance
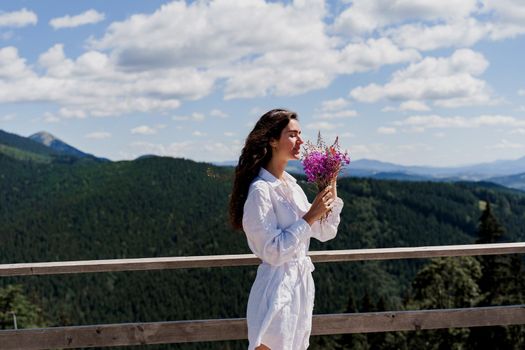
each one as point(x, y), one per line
point(172, 207)
point(34, 149)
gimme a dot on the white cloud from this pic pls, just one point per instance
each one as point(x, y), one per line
point(49, 117)
point(505, 144)
point(139, 65)
point(461, 61)
point(18, 19)
point(198, 116)
point(222, 150)
point(321, 126)
point(7, 35)
point(449, 82)
point(509, 11)
point(201, 150)
point(504, 30)
point(175, 149)
point(386, 130)
point(412, 105)
point(208, 32)
point(521, 92)
point(344, 114)
point(7, 117)
point(229, 133)
point(98, 135)
point(259, 79)
point(198, 133)
point(388, 109)
point(372, 54)
point(416, 147)
point(506, 18)
point(427, 25)
point(256, 111)
point(144, 130)
point(365, 16)
point(334, 105)
point(460, 33)
point(194, 117)
point(12, 67)
point(370, 151)
point(72, 113)
point(88, 17)
point(218, 113)
point(439, 122)
point(347, 135)
point(252, 61)
point(56, 64)
point(92, 85)
point(518, 131)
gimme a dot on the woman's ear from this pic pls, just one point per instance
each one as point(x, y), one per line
point(273, 143)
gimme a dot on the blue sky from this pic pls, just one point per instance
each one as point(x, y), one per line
point(406, 81)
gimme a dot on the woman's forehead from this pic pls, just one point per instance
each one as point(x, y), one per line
point(293, 125)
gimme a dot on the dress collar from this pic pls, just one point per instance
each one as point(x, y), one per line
point(272, 180)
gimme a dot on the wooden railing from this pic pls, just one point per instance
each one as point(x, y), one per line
point(233, 329)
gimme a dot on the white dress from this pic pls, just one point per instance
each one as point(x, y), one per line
point(281, 300)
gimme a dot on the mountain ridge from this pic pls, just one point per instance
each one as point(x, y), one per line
point(47, 139)
point(25, 144)
point(508, 173)
point(42, 147)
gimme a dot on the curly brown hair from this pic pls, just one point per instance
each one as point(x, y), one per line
point(255, 154)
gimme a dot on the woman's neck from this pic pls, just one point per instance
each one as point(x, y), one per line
point(276, 167)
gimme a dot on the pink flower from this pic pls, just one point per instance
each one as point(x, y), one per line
point(323, 163)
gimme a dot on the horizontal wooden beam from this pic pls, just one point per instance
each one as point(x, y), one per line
point(63, 267)
point(123, 334)
point(391, 321)
point(418, 252)
point(234, 329)
point(83, 266)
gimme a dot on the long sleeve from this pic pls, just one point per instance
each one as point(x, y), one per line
point(327, 229)
point(266, 239)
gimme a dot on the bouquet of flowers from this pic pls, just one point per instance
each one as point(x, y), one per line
point(323, 163)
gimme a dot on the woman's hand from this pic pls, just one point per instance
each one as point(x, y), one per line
point(334, 187)
point(321, 205)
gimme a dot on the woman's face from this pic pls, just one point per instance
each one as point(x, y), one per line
point(288, 146)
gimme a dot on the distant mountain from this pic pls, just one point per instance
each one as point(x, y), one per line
point(42, 147)
point(513, 181)
point(375, 166)
point(60, 146)
point(497, 168)
point(470, 172)
point(400, 177)
point(226, 163)
point(25, 144)
point(502, 172)
point(508, 173)
point(146, 156)
point(22, 148)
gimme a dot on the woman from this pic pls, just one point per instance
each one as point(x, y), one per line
point(278, 220)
